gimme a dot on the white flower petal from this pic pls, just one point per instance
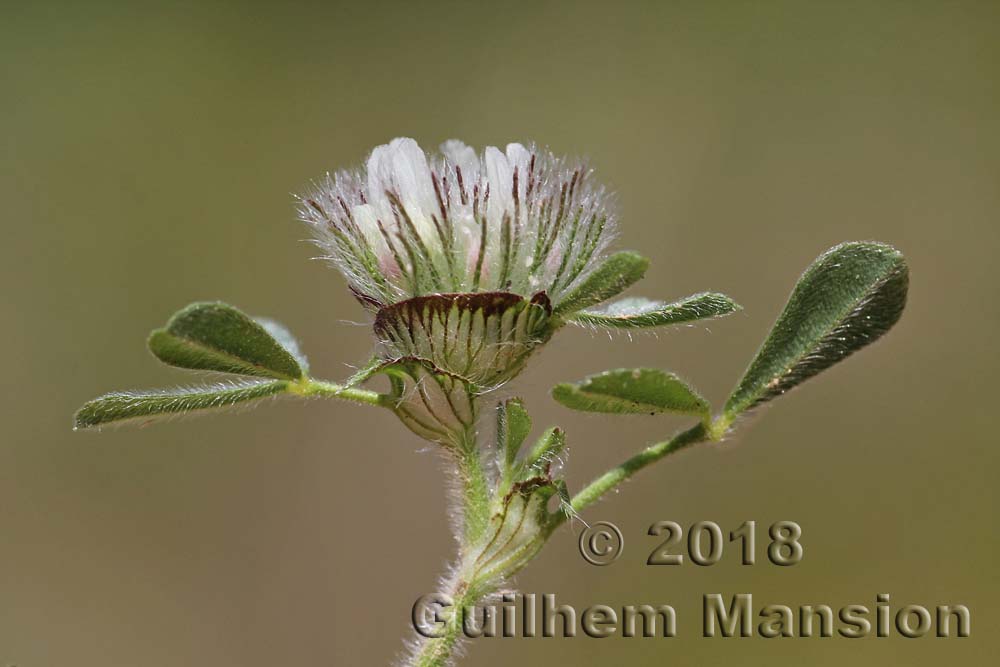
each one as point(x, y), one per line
point(367, 221)
point(412, 175)
point(464, 158)
point(500, 177)
point(519, 158)
point(379, 170)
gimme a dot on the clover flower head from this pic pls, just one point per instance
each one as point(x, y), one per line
point(409, 224)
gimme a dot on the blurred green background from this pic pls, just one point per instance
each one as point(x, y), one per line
point(148, 156)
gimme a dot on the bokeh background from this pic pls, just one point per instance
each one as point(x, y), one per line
point(149, 153)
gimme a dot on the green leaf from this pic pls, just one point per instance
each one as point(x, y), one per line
point(513, 426)
point(616, 274)
point(850, 296)
point(639, 312)
point(218, 337)
point(285, 339)
point(632, 391)
point(150, 405)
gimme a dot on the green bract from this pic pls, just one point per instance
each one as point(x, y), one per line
point(513, 426)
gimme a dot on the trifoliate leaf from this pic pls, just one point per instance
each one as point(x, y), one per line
point(218, 337)
point(850, 296)
point(149, 405)
point(513, 426)
point(639, 312)
point(632, 391)
point(616, 274)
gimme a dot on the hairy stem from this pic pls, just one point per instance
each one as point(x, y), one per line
point(463, 591)
point(311, 387)
point(438, 650)
point(612, 478)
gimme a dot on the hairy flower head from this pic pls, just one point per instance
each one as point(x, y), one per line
point(409, 224)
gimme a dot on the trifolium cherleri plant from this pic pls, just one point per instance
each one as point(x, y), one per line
point(468, 262)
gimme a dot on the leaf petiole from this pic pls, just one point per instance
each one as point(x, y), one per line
point(310, 387)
